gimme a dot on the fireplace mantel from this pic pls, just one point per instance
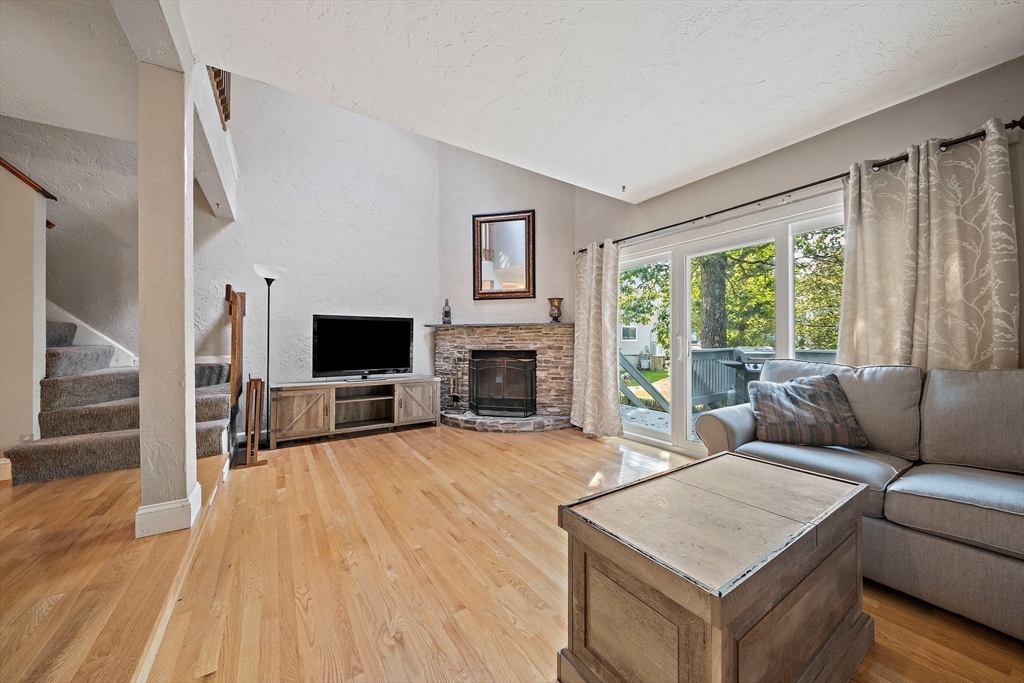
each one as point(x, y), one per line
point(443, 327)
point(553, 343)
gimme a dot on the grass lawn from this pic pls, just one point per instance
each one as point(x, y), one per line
point(653, 376)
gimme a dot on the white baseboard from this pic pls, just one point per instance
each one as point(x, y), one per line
point(212, 359)
point(5, 469)
point(87, 334)
point(159, 518)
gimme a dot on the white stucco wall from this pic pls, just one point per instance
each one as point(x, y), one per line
point(22, 308)
point(93, 252)
point(473, 184)
point(347, 204)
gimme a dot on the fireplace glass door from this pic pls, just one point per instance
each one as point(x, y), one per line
point(503, 383)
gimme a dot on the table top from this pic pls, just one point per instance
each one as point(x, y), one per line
point(715, 520)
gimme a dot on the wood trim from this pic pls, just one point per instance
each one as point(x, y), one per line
point(221, 80)
point(28, 181)
point(236, 309)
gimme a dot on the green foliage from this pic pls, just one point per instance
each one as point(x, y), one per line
point(749, 296)
point(644, 299)
point(750, 293)
point(818, 284)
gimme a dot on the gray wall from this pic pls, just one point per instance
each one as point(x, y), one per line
point(949, 111)
point(92, 255)
point(472, 184)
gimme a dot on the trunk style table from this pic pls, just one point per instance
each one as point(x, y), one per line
point(726, 569)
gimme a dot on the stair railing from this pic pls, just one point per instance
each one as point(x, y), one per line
point(236, 309)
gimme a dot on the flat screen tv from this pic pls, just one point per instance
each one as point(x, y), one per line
point(354, 345)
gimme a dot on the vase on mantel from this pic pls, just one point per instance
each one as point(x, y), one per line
point(446, 314)
point(556, 309)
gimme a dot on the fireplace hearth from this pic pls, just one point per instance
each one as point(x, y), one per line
point(503, 383)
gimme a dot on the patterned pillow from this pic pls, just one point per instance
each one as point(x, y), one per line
point(807, 411)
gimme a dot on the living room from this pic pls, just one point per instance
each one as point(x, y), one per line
point(414, 341)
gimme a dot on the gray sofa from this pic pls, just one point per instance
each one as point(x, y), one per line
point(945, 472)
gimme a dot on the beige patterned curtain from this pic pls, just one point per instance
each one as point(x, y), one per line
point(595, 375)
point(931, 274)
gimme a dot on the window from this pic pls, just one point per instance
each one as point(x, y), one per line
point(763, 285)
point(645, 325)
point(817, 290)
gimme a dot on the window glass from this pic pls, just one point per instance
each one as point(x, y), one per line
point(732, 315)
point(645, 318)
point(817, 291)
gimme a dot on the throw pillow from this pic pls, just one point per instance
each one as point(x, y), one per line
point(807, 411)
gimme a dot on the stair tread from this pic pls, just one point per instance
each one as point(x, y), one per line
point(67, 361)
point(214, 389)
point(96, 373)
point(98, 436)
point(73, 439)
point(122, 402)
point(78, 348)
point(60, 334)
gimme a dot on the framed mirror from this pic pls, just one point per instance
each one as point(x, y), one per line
point(503, 256)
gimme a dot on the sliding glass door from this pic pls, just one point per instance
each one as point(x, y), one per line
point(732, 324)
point(699, 317)
point(645, 334)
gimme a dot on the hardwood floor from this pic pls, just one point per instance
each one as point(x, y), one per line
point(80, 597)
point(426, 554)
point(916, 641)
point(434, 554)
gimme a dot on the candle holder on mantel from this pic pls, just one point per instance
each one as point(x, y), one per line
point(556, 308)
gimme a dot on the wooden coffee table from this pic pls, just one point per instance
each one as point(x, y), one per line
point(726, 569)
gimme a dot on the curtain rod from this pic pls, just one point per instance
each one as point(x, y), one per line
point(874, 167)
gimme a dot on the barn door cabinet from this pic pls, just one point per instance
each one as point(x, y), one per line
point(304, 410)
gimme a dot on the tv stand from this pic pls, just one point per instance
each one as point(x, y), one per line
point(304, 410)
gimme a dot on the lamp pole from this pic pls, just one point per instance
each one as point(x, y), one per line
point(269, 274)
point(270, 281)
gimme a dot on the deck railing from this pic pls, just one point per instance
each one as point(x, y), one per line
point(713, 382)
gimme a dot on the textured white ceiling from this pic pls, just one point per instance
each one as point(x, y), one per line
point(68, 64)
point(649, 95)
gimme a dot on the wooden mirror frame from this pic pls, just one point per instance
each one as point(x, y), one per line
point(531, 290)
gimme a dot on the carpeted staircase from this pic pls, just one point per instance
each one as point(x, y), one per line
point(89, 413)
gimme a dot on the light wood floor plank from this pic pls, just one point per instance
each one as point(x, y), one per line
point(421, 555)
point(435, 555)
point(80, 596)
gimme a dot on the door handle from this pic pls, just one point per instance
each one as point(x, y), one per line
point(684, 349)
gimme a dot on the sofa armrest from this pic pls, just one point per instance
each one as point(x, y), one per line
point(726, 429)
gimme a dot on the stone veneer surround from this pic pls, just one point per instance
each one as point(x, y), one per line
point(553, 343)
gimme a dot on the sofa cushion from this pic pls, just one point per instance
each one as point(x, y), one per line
point(865, 467)
point(974, 419)
point(978, 507)
point(885, 399)
point(807, 411)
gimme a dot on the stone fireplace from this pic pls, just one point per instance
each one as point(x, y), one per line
point(503, 383)
point(550, 345)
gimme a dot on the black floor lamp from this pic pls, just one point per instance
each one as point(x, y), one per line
point(268, 273)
